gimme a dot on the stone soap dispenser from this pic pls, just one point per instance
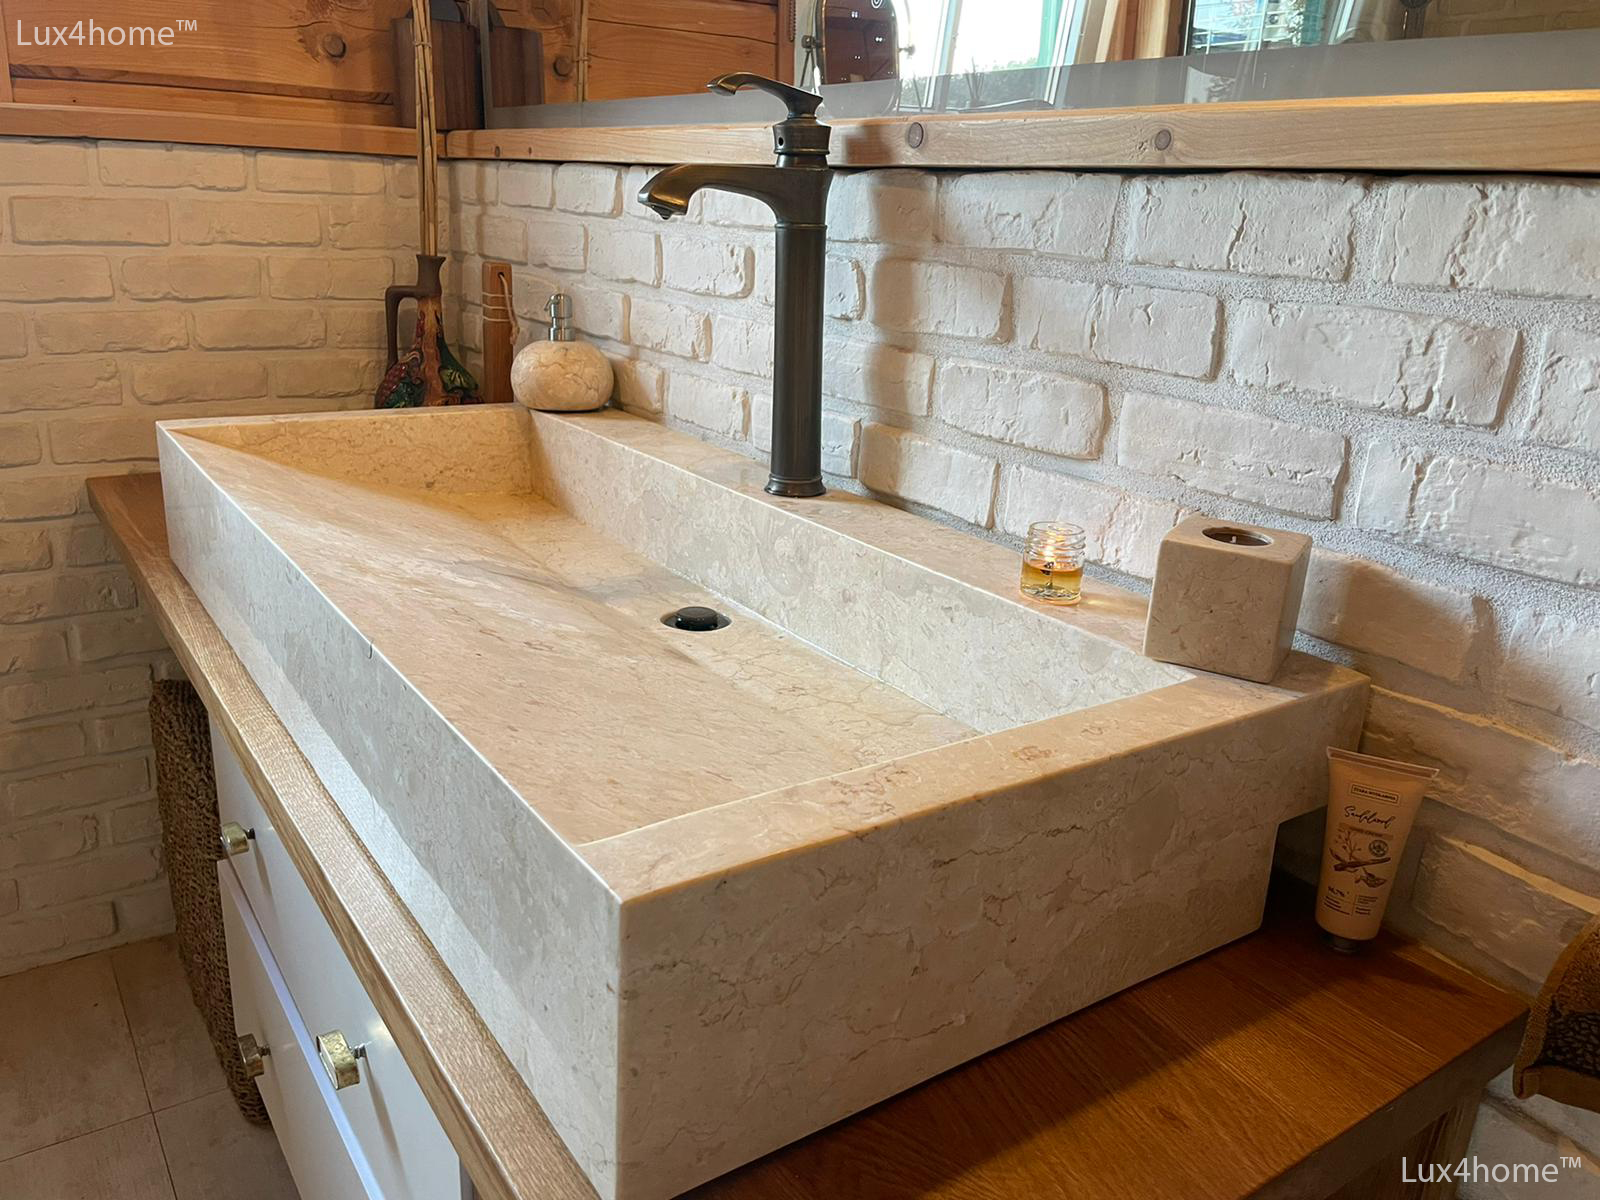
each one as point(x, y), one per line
point(1227, 597)
point(560, 373)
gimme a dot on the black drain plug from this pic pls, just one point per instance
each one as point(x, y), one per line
point(695, 618)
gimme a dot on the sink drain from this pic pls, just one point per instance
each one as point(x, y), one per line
point(695, 618)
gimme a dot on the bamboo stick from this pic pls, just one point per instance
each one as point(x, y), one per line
point(427, 136)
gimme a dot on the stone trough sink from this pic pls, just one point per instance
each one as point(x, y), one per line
point(714, 890)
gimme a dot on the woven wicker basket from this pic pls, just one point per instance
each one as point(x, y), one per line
point(186, 791)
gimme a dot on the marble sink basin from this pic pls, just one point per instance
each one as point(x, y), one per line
point(712, 891)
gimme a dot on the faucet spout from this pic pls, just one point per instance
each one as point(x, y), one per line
point(795, 188)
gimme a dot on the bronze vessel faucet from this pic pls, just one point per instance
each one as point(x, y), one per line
point(796, 189)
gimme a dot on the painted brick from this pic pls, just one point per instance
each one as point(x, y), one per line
point(32, 650)
point(1047, 212)
point(106, 872)
point(1566, 405)
point(26, 939)
point(367, 223)
point(19, 444)
point(107, 439)
point(1395, 362)
point(13, 336)
point(741, 345)
point(693, 264)
point(87, 546)
point(923, 471)
point(1026, 408)
point(282, 327)
point(81, 383)
point(844, 295)
point(145, 164)
point(1493, 514)
point(1528, 237)
point(933, 297)
point(877, 375)
point(494, 237)
point(1552, 663)
point(640, 385)
point(526, 185)
point(1371, 608)
point(1286, 225)
point(1287, 467)
point(42, 277)
point(136, 822)
point(9, 902)
point(472, 182)
point(1504, 912)
point(67, 595)
point(39, 496)
point(114, 636)
point(145, 913)
point(557, 244)
point(39, 746)
point(330, 375)
point(322, 173)
point(1122, 530)
point(708, 403)
point(340, 277)
point(358, 327)
point(723, 208)
point(1154, 328)
point(588, 188)
point(71, 693)
point(190, 277)
point(24, 550)
point(79, 332)
point(181, 379)
point(246, 223)
point(883, 207)
point(121, 733)
point(839, 436)
point(1527, 788)
point(44, 162)
point(75, 787)
point(625, 255)
point(670, 328)
point(86, 220)
point(49, 841)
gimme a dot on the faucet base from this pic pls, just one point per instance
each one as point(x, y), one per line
point(795, 487)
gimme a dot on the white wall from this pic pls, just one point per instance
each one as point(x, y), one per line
point(138, 283)
point(1406, 369)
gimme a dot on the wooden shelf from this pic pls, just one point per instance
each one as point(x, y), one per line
point(202, 129)
point(1271, 1068)
point(1469, 131)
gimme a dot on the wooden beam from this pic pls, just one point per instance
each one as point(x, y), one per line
point(144, 125)
point(5, 58)
point(1468, 131)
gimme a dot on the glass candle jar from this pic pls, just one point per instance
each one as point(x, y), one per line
point(1052, 562)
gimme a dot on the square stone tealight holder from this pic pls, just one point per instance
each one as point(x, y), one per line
point(1226, 597)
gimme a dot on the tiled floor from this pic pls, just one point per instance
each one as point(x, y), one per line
point(109, 1089)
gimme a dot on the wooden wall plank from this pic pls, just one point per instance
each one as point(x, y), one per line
point(628, 60)
point(140, 125)
point(1469, 131)
point(6, 94)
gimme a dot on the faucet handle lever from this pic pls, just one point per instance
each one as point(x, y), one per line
point(800, 103)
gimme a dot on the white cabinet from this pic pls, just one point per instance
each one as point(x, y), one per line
point(395, 1138)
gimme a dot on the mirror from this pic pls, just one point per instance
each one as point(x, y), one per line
point(873, 57)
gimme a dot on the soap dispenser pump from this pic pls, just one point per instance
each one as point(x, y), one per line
point(560, 373)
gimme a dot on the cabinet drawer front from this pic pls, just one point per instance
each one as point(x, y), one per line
point(317, 1142)
point(409, 1154)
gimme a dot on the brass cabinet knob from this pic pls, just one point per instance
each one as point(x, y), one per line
point(340, 1059)
point(251, 1054)
point(235, 838)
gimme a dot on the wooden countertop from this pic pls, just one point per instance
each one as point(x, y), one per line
point(1269, 1068)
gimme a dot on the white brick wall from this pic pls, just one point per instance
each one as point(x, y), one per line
point(140, 282)
point(1406, 369)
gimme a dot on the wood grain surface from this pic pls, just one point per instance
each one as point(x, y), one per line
point(1272, 1068)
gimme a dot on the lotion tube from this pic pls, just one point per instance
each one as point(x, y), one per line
point(1372, 803)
